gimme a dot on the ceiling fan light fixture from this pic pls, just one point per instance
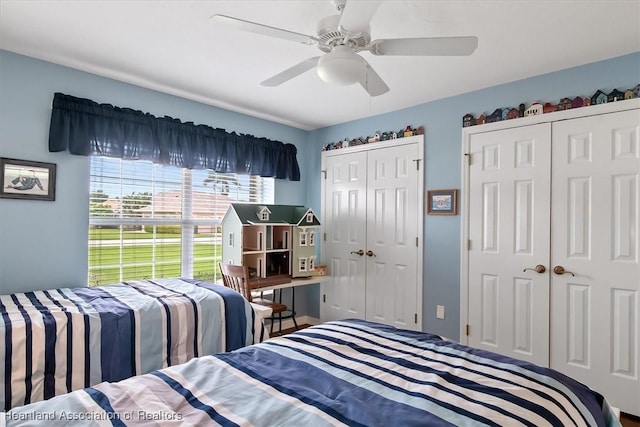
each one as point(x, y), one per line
point(342, 66)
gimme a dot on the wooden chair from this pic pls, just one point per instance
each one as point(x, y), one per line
point(236, 277)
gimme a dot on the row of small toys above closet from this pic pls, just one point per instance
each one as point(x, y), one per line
point(384, 136)
point(538, 108)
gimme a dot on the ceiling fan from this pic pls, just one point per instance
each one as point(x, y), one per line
point(342, 37)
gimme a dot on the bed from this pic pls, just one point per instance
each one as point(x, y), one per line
point(56, 341)
point(349, 372)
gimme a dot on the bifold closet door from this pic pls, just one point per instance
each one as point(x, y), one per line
point(373, 205)
point(345, 222)
point(509, 175)
point(595, 331)
point(391, 254)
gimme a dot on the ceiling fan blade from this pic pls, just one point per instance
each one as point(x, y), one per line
point(356, 15)
point(292, 72)
point(372, 82)
point(428, 46)
point(265, 30)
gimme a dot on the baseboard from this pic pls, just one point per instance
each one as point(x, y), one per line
point(288, 323)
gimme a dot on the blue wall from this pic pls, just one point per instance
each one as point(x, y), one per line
point(44, 244)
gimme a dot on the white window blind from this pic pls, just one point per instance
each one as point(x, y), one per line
point(153, 221)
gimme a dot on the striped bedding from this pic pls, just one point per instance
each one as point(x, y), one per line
point(339, 373)
point(59, 340)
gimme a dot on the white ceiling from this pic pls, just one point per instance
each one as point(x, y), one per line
point(174, 47)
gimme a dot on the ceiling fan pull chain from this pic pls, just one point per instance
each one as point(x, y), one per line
point(339, 4)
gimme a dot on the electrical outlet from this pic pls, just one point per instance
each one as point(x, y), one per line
point(440, 311)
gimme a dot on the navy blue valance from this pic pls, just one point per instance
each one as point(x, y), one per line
point(85, 127)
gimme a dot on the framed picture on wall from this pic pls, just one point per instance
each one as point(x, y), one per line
point(25, 179)
point(442, 202)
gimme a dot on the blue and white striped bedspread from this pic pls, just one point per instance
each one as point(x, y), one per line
point(59, 340)
point(339, 373)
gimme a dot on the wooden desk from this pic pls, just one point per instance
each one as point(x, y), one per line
point(302, 281)
point(313, 280)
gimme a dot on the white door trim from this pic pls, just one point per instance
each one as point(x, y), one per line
point(592, 110)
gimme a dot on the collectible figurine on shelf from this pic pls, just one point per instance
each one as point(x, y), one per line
point(521, 109)
point(513, 113)
point(577, 102)
point(496, 116)
point(534, 110)
point(548, 108)
point(468, 120)
point(615, 95)
point(599, 98)
point(628, 94)
point(565, 104)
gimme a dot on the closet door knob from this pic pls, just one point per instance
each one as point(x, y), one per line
point(370, 253)
point(538, 269)
point(358, 252)
point(559, 270)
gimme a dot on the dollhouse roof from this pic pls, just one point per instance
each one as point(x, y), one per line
point(247, 213)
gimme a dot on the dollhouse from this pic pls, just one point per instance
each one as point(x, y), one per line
point(276, 242)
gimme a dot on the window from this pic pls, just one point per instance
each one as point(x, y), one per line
point(152, 221)
point(264, 214)
point(303, 238)
point(231, 241)
point(312, 238)
point(312, 263)
point(309, 217)
point(302, 264)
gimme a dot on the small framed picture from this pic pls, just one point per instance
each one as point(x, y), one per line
point(442, 202)
point(24, 179)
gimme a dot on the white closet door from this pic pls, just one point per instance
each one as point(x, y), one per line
point(595, 210)
point(345, 224)
point(509, 177)
point(393, 198)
